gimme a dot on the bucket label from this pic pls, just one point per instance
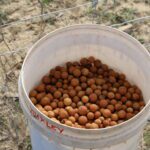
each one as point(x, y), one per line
point(45, 122)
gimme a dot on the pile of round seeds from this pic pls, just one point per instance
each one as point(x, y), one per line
point(87, 94)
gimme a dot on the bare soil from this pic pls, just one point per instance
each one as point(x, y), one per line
point(17, 38)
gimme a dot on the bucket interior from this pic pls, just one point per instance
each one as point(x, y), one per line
point(118, 50)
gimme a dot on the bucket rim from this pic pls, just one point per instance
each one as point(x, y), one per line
point(84, 26)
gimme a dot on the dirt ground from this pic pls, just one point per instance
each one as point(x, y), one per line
point(16, 38)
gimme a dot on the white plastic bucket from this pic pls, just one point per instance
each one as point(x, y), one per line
point(115, 48)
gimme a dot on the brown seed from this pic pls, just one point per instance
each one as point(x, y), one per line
point(70, 69)
point(76, 99)
point(131, 90)
point(93, 97)
point(38, 106)
point(98, 122)
point(76, 72)
point(142, 103)
point(44, 112)
point(68, 123)
point(90, 82)
point(84, 61)
point(45, 101)
point(122, 114)
point(118, 106)
point(129, 115)
point(118, 96)
point(114, 117)
point(33, 93)
point(90, 75)
point(76, 116)
point(70, 87)
point(70, 110)
point(85, 71)
point(97, 92)
point(90, 115)
point(122, 76)
point(73, 105)
point(74, 82)
point(65, 95)
point(53, 105)
point(81, 94)
point(33, 100)
point(51, 114)
point(104, 86)
point(50, 96)
point(72, 119)
point(58, 84)
point(41, 87)
point(123, 99)
point(97, 63)
point(52, 72)
point(85, 99)
point(64, 75)
point(93, 107)
point(106, 113)
point(91, 59)
point(82, 120)
point(135, 96)
point(114, 90)
point(113, 123)
point(111, 95)
point(129, 104)
point(70, 77)
point(94, 126)
point(57, 74)
point(46, 80)
point(56, 111)
point(88, 126)
point(113, 102)
point(111, 108)
point(122, 90)
point(89, 91)
point(136, 106)
point(103, 103)
point(124, 107)
point(53, 80)
point(116, 85)
point(83, 110)
point(130, 109)
point(60, 104)
point(67, 101)
point(106, 123)
point(57, 94)
point(93, 87)
point(97, 114)
point(47, 107)
point(83, 79)
point(112, 79)
point(128, 95)
point(78, 88)
point(104, 93)
point(87, 105)
point(93, 69)
point(80, 103)
point(63, 113)
point(84, 86)
point(72, 93)
point(51, 89)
